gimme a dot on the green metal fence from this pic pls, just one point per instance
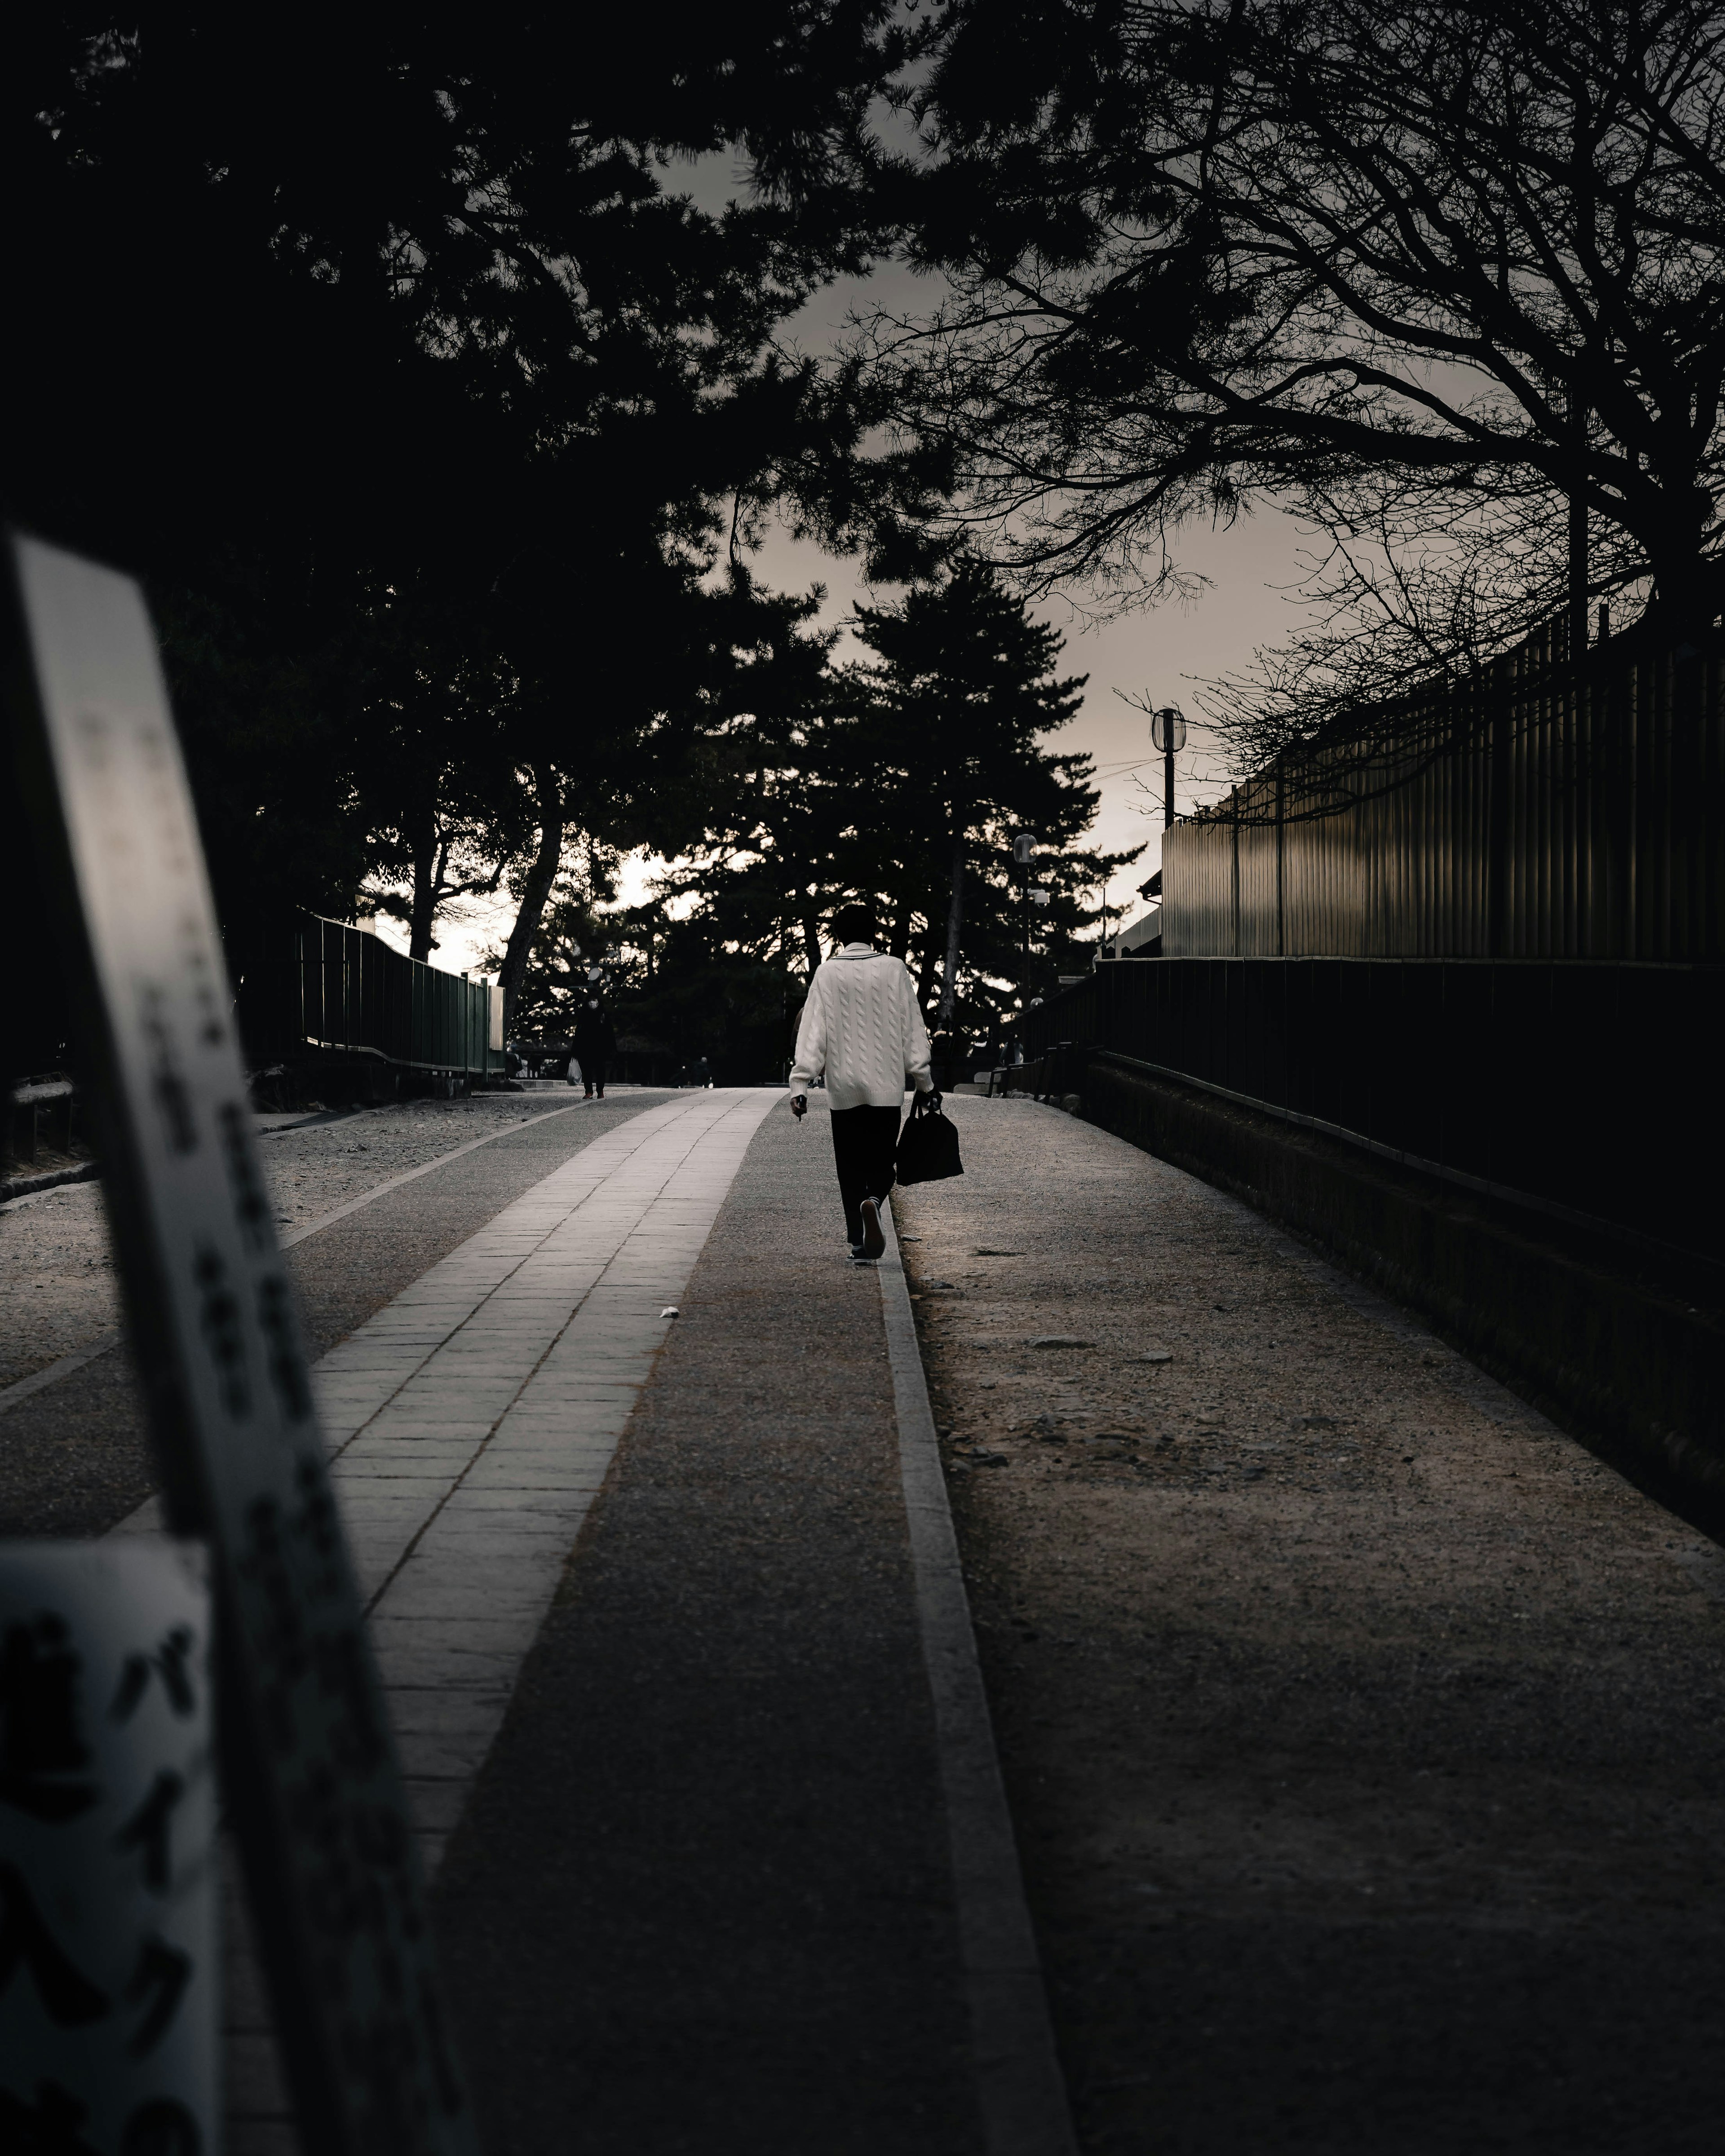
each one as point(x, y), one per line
point(310, 991)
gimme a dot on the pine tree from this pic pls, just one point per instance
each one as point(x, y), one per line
point(900, 779)
point(949, 760)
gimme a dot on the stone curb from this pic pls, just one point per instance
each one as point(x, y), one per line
point(1020, 2089)
point(27, 1186)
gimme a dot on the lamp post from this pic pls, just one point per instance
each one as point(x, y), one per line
point(1040, 897)
point(1022, 845)
point(1168, 733)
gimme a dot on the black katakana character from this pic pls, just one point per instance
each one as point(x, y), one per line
point(148, 1830)
point(251, 1201)
point(315, 1520)
point(168, 1660)
point(219, 1321)
point(287, 1367)
point(274, 1617)
point(173, 1096)
point(42, 1756)
point(209, 990)
point(356, 1734)
point(166, 1971)
point(69, 1998)
point(48, 2127)
point(160, 2128)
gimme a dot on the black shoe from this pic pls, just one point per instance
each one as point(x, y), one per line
point(874, 1243)
point(859, 1255)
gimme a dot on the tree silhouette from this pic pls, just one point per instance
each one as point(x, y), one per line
point(414, 375)
point(899, 777)
point(1401, 268)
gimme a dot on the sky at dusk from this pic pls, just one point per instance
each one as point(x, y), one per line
point(1164, 652)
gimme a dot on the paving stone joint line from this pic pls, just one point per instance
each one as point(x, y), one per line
point(642, 1137)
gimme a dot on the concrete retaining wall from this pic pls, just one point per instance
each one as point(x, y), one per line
point(1617, 1343)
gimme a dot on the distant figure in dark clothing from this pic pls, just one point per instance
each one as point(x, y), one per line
point(700, 1072)
point(595, 1044)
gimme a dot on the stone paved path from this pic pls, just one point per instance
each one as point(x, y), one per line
point(702, 1898)
point(74, 1458)
point(472, 1422)
point(656, 1626)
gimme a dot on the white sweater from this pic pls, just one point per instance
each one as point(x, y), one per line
point(862, 1027)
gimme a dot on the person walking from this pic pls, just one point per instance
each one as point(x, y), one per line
point(861, 1027)
point(595, 1044)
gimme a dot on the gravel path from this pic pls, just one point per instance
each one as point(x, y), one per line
point(1365, 1735)
point(73, 1456)
point(57, 1286)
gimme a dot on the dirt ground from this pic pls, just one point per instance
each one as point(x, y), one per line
point(58, 1293)
point(1365, 1735)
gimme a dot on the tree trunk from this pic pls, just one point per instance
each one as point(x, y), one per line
point(540, 879)
point(1687, 586)
point(1578, 567)
point(1577, 579)
point(420, 944)
point(925, 977)
point(811, 946)
point(955, 923)
point(423, 843)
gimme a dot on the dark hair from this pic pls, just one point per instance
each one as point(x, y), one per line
point(855, 924)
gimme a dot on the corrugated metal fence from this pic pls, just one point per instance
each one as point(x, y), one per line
point(1540, 812)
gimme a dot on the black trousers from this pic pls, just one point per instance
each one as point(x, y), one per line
point(864, 1143)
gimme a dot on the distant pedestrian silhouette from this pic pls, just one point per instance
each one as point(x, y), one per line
point(595, 1044)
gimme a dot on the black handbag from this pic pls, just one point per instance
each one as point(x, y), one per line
point(928, 1143)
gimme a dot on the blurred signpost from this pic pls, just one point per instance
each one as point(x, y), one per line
point(309, 1767)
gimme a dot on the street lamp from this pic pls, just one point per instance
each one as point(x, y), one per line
point(1023, 844)
point(1168, 733)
